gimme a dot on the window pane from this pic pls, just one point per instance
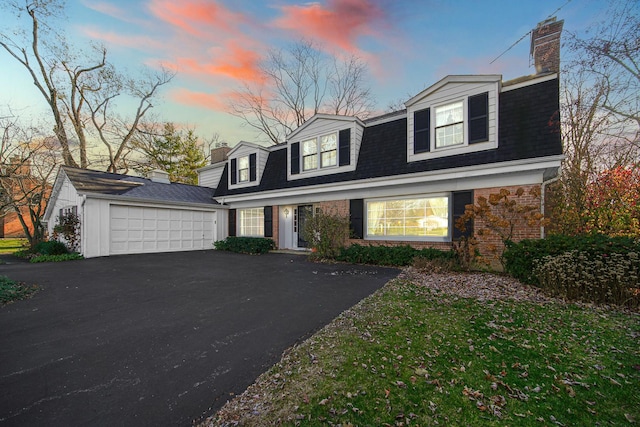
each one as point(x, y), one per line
point(243, 175)
point(450, 135)
point(309, 147)
point(310, 162)
point(425, 217)
point(449, 114)
point(251, 222)
point(329, 158)
point(243, 162)
point(328, 142)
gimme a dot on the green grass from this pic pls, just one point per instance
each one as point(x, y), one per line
point(11, 291)
point(8, 246)
point(410, 356)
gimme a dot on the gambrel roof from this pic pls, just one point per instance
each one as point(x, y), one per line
point(528, 128)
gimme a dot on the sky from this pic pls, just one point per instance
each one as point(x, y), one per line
point(216, 45)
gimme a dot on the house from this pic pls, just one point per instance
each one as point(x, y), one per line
point(400, 178)
point(404, 177)
point(24, 193)
point(121, 214)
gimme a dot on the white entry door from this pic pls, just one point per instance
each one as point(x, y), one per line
point(138, 229)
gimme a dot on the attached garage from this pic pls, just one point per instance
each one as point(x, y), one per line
point(122, 214)
point(136, 229)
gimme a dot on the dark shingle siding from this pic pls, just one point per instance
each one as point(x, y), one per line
point(528, 128)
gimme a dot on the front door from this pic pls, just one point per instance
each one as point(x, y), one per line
point(304, 211)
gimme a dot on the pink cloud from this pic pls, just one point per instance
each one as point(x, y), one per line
point(199, 99)
point(233, 61)
point(197, 17)
point(339, 23)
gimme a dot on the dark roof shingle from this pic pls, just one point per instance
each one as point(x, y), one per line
point(88, 181)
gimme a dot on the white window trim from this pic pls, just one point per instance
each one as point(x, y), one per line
point(248, 183)
point(260, 212)
point(239, 180)
point(318, 153)
point(447, 238)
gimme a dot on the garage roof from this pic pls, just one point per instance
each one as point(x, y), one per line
point(88, 181)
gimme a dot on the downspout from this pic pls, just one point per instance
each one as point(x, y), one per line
point(83, 226)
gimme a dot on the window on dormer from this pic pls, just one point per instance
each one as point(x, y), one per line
point(309, 154)
point(329, 150)
point(449, 129)
point(243, 169)
point(456, 125)
point(321, 152)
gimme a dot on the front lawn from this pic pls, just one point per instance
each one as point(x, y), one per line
point(424, 354)
point(8, 246)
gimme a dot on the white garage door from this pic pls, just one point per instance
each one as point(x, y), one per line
point(136, 229)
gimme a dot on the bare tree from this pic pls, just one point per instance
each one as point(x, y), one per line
point(80, 96)
point(27, 165)
point(299, 82)
point(611, 54)
point(600, 101)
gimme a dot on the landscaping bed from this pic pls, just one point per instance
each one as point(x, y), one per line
point(454, 349)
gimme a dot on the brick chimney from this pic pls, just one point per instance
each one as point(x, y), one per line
point(219, 154)
point(545, 46)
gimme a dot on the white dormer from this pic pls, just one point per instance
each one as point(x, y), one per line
point(246, 163)
point(457, 115)
point(324, 145)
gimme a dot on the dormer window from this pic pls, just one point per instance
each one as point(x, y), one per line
point(243, 169)
point(449, 125)
point(458, 115)
point(326, 145)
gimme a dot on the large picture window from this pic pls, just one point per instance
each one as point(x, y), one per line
point(408, 218)
point(449, 125)
point(251, 222)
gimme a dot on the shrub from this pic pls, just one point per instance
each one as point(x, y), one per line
point(56, 258)
point(520, 257)
point(51, 247)
point(326, 233)
point(68, 228)
point(606, 279)
point(245, 245)
point(390, 255)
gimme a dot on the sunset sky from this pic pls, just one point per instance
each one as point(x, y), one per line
point(217, 44)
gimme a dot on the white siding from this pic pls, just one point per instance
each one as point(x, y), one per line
point(324, 126)
point(261, 161)
point(210, 177)
point(66, 197)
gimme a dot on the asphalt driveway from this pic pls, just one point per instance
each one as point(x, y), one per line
point(162, 339)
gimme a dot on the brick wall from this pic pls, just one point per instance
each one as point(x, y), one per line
point(276, 226)
point(488, 241)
